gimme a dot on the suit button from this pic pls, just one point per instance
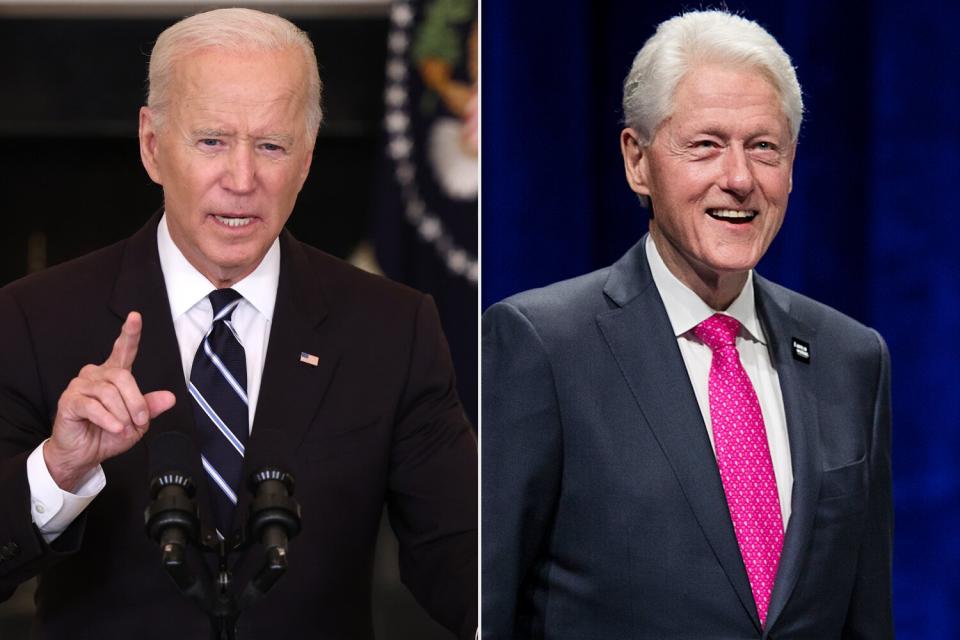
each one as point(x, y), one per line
point(14, 549)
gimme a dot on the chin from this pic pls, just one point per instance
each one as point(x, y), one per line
point(228, 261)
point(732, 264)
point(737, 257)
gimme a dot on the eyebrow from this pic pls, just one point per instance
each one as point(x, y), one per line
point(714, 131)
point(280, 138)
point(209, 133)
point(718, 132)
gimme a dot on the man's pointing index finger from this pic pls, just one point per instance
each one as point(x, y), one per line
point(126, 345)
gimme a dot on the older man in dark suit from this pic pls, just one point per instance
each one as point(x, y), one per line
point(674, 447)
point(227, 329)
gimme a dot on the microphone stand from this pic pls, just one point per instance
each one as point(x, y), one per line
point(224, 612)
point(172, 519)
point(274, 519)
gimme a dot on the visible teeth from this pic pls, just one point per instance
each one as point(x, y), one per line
point(234, 222)
point(731, 213)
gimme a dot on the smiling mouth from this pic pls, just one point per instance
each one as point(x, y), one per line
point(736, 216)
point(234, 221)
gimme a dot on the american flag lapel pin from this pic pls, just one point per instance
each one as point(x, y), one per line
point(309, 358)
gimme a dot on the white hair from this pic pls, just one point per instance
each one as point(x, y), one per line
point(232, 30)
point(703, 37)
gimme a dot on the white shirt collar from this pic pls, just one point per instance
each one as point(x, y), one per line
point(186, 286)
point(686, 309)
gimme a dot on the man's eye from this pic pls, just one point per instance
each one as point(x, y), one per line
point(704, 144)
point(209, 142)
point(765, 145)
point(269, 146)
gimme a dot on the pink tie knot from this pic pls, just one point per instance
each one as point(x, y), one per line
point(718, 331)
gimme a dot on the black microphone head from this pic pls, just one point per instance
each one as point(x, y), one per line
point(274, 513)
point(171, 458)
point(269, 458)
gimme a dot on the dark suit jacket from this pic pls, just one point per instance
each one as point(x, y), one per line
point(377, 421)
point(603, 511)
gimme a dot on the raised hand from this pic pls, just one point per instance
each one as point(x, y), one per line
point(102, 413)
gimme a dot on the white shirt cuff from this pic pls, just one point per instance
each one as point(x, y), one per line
point(52, 508)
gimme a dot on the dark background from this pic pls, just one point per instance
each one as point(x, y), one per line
point(70, 90)
point(870, 228)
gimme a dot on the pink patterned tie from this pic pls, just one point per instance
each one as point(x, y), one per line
point(743, 457)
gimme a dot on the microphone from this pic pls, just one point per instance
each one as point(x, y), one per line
point(172, 518)
point(274, 513)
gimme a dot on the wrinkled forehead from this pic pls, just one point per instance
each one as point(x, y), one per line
point(250, 70)
point(740, 89)
point(213, 79)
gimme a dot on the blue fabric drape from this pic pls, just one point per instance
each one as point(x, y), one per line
point(868, 231)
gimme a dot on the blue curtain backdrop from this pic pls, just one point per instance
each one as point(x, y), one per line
point(870, 229)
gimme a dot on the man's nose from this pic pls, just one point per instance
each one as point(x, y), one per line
point(241, 171)
point(737, 171)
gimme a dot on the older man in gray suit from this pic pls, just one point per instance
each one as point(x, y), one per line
point(674, 447)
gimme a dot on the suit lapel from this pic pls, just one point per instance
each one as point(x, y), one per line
point(800, 407)
point(641, 340)
point(140, 287)
point(291, 391)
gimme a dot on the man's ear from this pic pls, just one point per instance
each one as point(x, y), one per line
point(635, 161)
point(149, 143)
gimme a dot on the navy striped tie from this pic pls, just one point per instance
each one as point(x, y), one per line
point(218, 385)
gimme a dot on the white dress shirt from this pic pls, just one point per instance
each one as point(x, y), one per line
point(686, 310)
point(52, 508)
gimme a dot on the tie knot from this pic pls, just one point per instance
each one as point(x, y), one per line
point(718, 331)
point(224, 301)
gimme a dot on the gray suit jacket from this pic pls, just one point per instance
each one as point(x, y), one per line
point(603, 511)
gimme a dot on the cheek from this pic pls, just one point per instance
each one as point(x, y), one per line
point(776, 182)
point(697, 177)
point(283, 183)
point(186, 173)
point(201, 180)
point(685, 188)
